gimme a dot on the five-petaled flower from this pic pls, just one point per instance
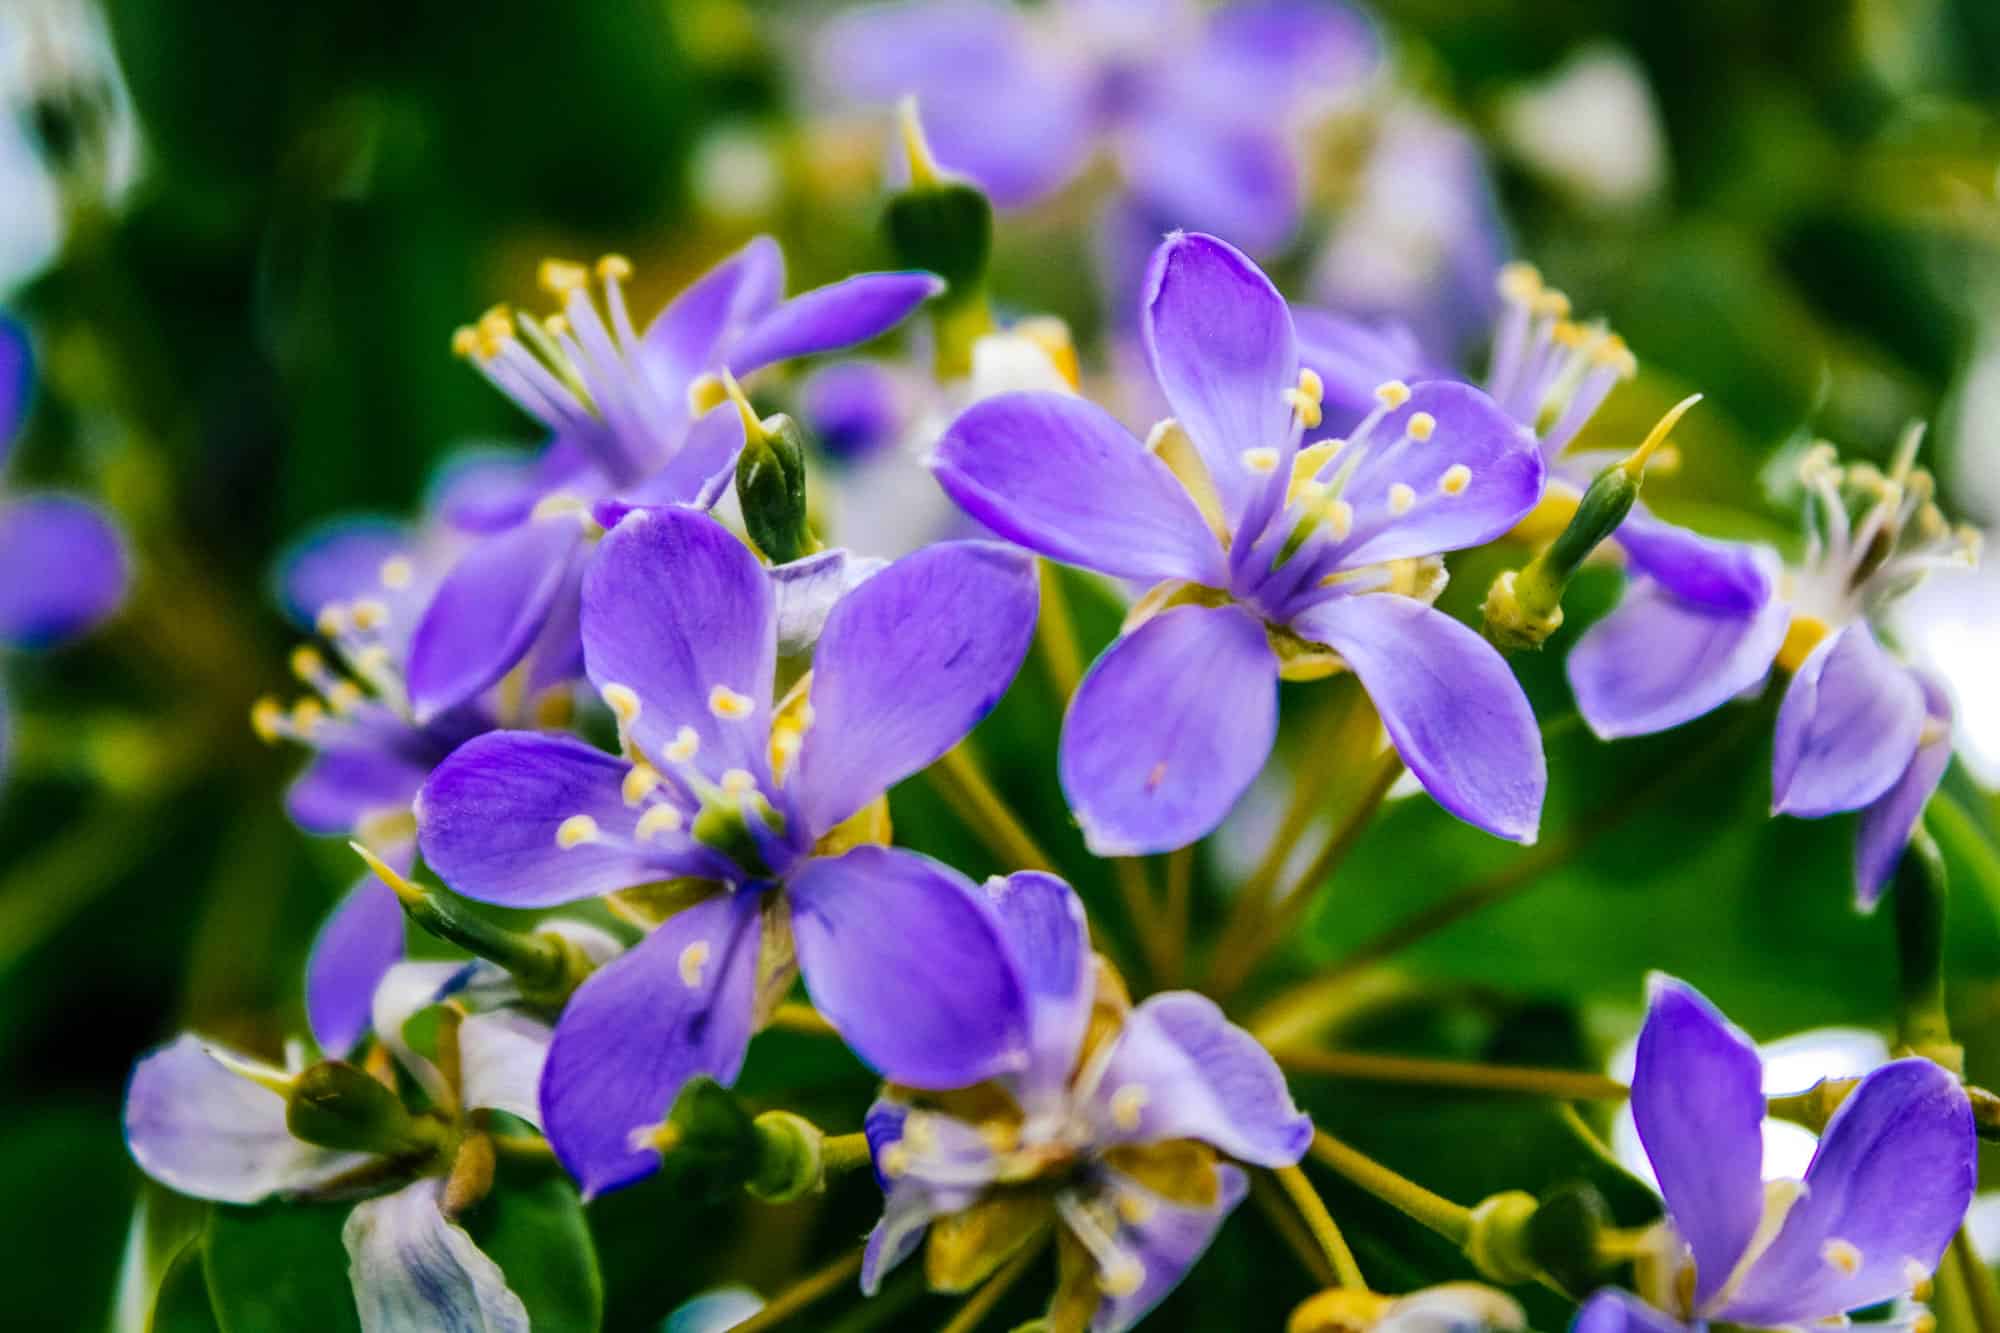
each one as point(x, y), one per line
point(1265, 556)
point(636, 419)
point(1705, 621)
point(1121, 1129)
point(750, 802)
point(1879, 1203)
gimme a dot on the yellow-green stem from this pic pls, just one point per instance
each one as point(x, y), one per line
point(843, 1152)
point(1233, 969)
point(1140, 909)
point(1561, 1084)
point(959, 780)
point(802, 1294)
point(1179, 911)
point(1285, 1221)
point(1440, 1214)
point(1981, 1292)
point(1055, 634)
point(1323, 1229)
point(794, 1017)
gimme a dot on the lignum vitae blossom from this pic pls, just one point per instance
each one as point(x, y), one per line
point(361, 586)
point(1705, 622)
point(1121, 1130)
point(749, 805)
point(1880, 1201)
point(635, 419)
point(218, 1125)
point(1205, 113)
point(63, 564)
point(1266, 559)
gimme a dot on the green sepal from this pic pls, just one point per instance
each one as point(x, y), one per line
point(341, 1106)
point(946, 228)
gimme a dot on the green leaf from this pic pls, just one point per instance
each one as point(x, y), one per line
point(280, 1265)
point(532, 1225)
point(164, 1237)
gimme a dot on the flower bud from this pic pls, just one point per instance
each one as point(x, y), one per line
point(788, 1162)
point(337, 1105)
point(1563, 1235)
point(771, 487)
point(1498, 1244)
point(939, 223)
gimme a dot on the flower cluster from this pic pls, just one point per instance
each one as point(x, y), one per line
point(623, 690)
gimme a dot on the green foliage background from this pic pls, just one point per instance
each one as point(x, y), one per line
point(260, 341)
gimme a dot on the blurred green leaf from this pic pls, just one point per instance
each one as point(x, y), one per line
point(280, 1266)
point(532, 1225)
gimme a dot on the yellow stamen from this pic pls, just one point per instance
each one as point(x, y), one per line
point(727, 703)
point(1801, 637)
point(1128, 1106)
point(639, 783)
point(1421, 426)
point(1401, 497)
point(656, 821)
point(267, 719)
point(1392, 394)
point(614, 268)
point(1843, 1255)
point(1455, 479)
point(560, 277)
point(1263, 460)
point(397, 571)
point(575, 831)
point(692, 960)
point(623, 701)
point(684, 745)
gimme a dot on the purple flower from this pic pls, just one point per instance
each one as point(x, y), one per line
point(1879, 1203)
point(1122, 1126)
point(63, 564)
point(635, 419)
point(1202, 111)
point(1270, 559)
point(755, 799)
point(211, 1123)
point(1421, 237)
point(1702, 622)
point(362, 585)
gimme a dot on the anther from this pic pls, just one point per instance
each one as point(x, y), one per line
point(727, 703)
point(1520, 282)
point(614, 268)
point(1340, 519)
point(1128, 1105)
point(560, 277)
point(738, 782)
point(267, 719)
point(307, 664)
point(1392, 394)
point(369, 614)
point(397, 571)
point(660, 819)
point(331, 621)
point(623, 701)
point(685, 743)
point(1401, 497)
point(307, 714)
point(692, 960)
point(1843, 1255)
point(1122, 1278)
point(575, 831)
point(1918, 1279)
point(640, 783)
point(1455, 479)
point(1262, 460)
point(1135, 1209)
point(1421, 426)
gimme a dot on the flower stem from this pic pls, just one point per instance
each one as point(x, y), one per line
point(841, 1153)
point(1137, 895)
point(803, 1293)
point(1285, 1221)
point(958, 778)
point(1561, 1084)
point(1055, 634)
point(1981, 1292)
point(1435, 1211)
point(1319, 1222)
point(1233, 969)
point(1922, 1024)
point(1179, 909)
point(1327, 738)
point(982, 1301)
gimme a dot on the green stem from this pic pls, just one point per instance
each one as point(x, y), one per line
point(958, 779)
point(1560, 1084)
point(1232, 970)
point(803, 1293)
point(1179, 909)
point(1920, 887)
point(1055, 634)
point(1285, 1221)
point(1440, 1214)
point(1982, 1294)
point(1324, 1230)
point(840, 1153)
point(1140, 909)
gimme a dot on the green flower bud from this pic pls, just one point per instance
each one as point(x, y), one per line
point(1563, 1235)
point(938, 223)
point(788, 1158)
point(771, 487)
point(338, 1105)
point(1524, 607)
